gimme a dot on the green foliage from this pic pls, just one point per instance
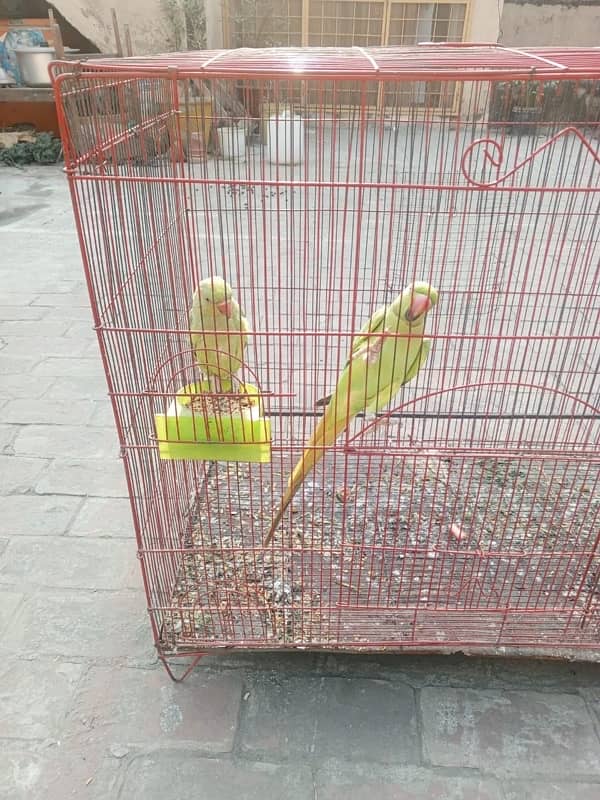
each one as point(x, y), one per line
point(45, 149)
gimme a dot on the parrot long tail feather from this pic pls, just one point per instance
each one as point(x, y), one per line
point(325, 434)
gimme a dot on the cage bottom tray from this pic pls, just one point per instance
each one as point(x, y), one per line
point(407, 562)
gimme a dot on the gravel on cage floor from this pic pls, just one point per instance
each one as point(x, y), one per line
point(434, 533)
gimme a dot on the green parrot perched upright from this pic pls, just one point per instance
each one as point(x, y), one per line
point(218, 332)
point(378, 366)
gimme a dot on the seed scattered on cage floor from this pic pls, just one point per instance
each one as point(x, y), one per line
point(229, 587)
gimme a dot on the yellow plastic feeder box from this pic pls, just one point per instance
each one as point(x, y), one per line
point(212, 435)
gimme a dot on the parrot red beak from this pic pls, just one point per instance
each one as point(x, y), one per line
point(225, 308)
point(420, 304)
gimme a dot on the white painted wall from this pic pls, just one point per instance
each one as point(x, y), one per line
point(150, 31)
point(484, 23)
point(549, 23)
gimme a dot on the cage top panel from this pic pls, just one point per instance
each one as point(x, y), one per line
point(425, 61)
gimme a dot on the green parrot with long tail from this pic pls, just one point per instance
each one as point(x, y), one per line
point(218, 332)
point(378, 366)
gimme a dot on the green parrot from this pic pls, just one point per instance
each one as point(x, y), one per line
point(378, 366)
point(214, 316)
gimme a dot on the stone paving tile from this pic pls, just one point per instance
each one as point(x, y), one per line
point(28, 411)
point(19, 346)
point(539, 674)
point(509, 732)
point(320, 718)
point(171, 776)
point(145, 707)
point(103, 416)
point(35, 696)
point(31, 330)
point(20, 474)
point(37, 514)
point(91, 625)
point(71, 312)
point(92, 349)
point(20, 773)
point(7, 436)
point(81, 330)
point(592, 695)
point(17, 365)
point(282, 662)
point(19, 298)
point(9, 602)
point(55, 772)
point(62, 441)
point(13, 387)
point(522, 790)
point(44, 221)
point(70, 563)
point(78, 297)
point(100, 516)
point(455, 670)
point(78, 388)
point(66, 367)
point(80, 773)
point(104, 478)
point(21, 312)
point(340, 780)
point(52, 280)
point(464, 671)
point(62, 274)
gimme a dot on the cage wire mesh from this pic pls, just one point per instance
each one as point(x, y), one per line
point(465, 514)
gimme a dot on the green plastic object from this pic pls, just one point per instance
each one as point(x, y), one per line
point(197, 437)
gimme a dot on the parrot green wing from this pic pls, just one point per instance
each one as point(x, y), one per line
point(421, 358)
point(373, 325)
point(386, 393)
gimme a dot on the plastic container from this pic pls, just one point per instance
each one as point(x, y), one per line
point(233, 143)
point(286, 139)
point(183, 434)
point(196, 149)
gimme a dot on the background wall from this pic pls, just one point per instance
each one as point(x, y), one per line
point(149, 27)
point(551, 22)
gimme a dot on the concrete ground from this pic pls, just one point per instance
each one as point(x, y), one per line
point(86, 710)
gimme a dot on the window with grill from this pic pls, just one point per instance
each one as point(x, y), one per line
point(342, 23)
point(358, 23)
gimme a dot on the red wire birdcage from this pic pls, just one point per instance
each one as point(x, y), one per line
point(465, 514)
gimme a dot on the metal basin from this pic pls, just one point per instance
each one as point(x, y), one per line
point(33, 63)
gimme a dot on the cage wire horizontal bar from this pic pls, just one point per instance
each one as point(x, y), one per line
point(319, 183)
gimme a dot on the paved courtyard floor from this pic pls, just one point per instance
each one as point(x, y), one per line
point(85, 709)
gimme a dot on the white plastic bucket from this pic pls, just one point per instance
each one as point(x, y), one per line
point(233, 143)
point(286, 139)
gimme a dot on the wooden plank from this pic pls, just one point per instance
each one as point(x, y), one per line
point(225, 20)
point(128, 44)
point(58, 42)
point(26, 95)
point(115, 23)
